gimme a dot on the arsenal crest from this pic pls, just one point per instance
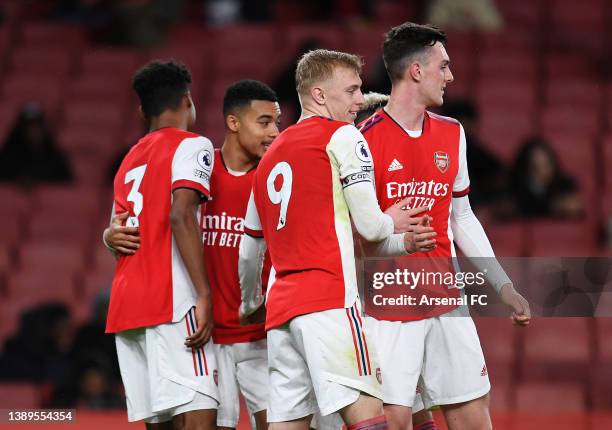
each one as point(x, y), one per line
point(442, 161)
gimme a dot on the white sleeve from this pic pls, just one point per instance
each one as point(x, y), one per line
point(393, 246)
point(250, 264)
point(252, 224)
point(461, 186)
point(472, 240)
point(192, 165)
point(350, 154)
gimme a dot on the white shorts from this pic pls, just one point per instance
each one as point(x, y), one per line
point(439, 358)
point(161, 376)
point(243, 367)
point(320, 361)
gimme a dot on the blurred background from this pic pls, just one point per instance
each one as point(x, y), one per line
point(532, 88)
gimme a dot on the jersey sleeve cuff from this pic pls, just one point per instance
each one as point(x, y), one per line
point(253, 233)
point(184, 183)
point(463, 193)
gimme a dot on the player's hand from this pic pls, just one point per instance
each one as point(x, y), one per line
point(124, 240)
point(204, 319)
point(404, 218)
point(421, 237)
point(257, 317)
point(521, 314)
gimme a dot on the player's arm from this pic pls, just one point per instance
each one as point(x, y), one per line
point(192, 166)
point(250, 262)
point(474, 243)
point(118, 238)
point(350, 154)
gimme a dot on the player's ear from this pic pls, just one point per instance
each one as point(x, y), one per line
point(414, 71)
point(141, 113)
point(318, 95)
point(232, 123)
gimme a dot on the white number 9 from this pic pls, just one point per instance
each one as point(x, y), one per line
point(283, 195)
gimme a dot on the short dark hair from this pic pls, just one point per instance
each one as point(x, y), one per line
point(160, 85)
point(404, 41)
point(242, 93)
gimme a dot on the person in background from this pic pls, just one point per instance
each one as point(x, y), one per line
point(539, 188)
point(29, 154)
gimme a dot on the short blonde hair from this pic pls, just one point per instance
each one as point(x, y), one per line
point(318, 65)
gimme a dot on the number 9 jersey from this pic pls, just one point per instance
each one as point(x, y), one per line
point(298, 206)
point(153, 286)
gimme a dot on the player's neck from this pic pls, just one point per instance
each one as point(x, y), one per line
point(235, 158)
point(168, 119)
point(405, 109)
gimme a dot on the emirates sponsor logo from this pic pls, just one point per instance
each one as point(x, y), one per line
point(441, 160)
point(395, 165)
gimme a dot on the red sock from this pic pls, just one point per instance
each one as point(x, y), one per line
point(427, 425)
point(378, 423)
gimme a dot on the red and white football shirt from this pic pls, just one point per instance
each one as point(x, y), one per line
point(223, 228)
point(430, 168)
point(153, 286)
point(298, 205)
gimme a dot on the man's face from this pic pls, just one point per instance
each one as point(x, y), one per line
point(258, 127)
point(343, 96)
point(436, 75)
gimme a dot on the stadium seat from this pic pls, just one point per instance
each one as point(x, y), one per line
point(99, 88)
point(604, 333)
point(51, 35)
point(579, 94)
point(503, 130)
point(45, 90)
point(14, 200)
point(51, 226)
point(27, 289)
point(498, 338)
point(68, 201)
point(51, 257)
point(43, 61)
point(86, 140)
point(561, 238)
point(366, 42)
point(108, 115)
point(20, 395)
point(6, 259)
point(541, 398)
point(500, 67)
point(571, 120)
point(556, 348)
point(11, 227)
point(294, 36)
point(507, 239)
point(94, 283)
point(101, 61)
point(104, 262)
point(569, 66)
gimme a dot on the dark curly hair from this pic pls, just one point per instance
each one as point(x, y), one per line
point(160, 85)
point(242, 93)
point(405, 41)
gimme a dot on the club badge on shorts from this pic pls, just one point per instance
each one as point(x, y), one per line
point(442, 161)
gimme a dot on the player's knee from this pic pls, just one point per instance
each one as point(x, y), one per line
point(377, 423)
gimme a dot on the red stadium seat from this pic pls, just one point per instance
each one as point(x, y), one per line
point(51, 257)
point(507, 239)
point(99, 141)
point(20, 395)
point(100, 62)
point(95, 283)
point(498, 338)
point(104, 261)
point(66, 200)
point(294, 36)
point(6, 257)
point(14, 200)
point(492, 65)
point(568, 66)
point(537, 397)
point(503, 130)
point(27, 289)
point(11, 228)
point(561, 238)
point(43, 61)
point(99, 88)
point(557, 348)
point(604, 331)
point(568, 119)
point(577, 93)
point(366, 42)
point(506, 95)
point(107, 115)
point(44, 34)
point(51, 226)
point(46, 90)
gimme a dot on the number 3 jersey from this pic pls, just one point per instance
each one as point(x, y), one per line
point(299, 207)
point(153, 286)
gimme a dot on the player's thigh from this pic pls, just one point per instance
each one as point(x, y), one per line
point(251, 360)
point(454, 369)
point(201, 419)
point(400, 347)
point(291, 395)
point(229, 399)
point(342, 362)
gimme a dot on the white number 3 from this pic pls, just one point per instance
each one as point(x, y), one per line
point(135, 196)
point(283, 195)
